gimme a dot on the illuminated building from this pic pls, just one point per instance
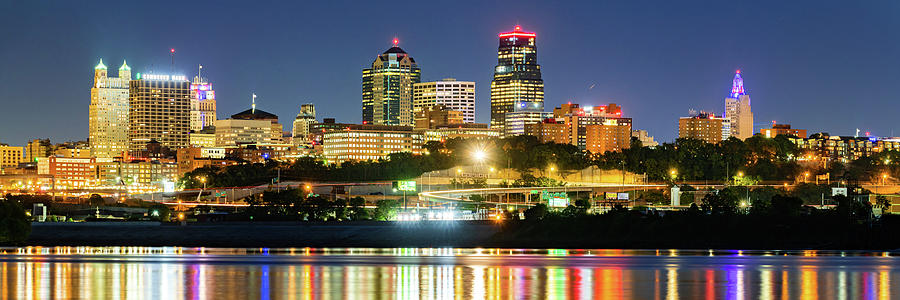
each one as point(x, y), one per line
point(370, 142)
point(455, 95)
point(704, 126)
point(38, 148)
point(517, 76)
point(644, 137)
point(578, 118)
point(203, 104)
point(387, 88)
point(843, 148)
point(523, 113)
point(10, 156)
point(464, 131)
point(160, 110)
point(69, 173)
point(613, 135)
point(108, 121)
point(252, 126)
point(437, 115)
point(785, 129)
point(317, 130)
point(737, 111)
point(193, 158)
point(260, 153)
point(549, 130)
point(79, 149)
point(302, 124)
point(204, 138)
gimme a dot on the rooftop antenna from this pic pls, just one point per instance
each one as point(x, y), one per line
point(857, 133)
point(253, 104)
point(199, 71)
point(172, 54)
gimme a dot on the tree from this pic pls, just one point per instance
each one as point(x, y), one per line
point(883, 202)
point(96, 200)
point(358, 209)
point(159, 212)
point(14, 224)
point(723, 202)
point(386, 209)
point(536, 212)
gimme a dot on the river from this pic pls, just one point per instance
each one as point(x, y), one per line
point(441, 273)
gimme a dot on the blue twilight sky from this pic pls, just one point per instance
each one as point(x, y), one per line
point(818, 65)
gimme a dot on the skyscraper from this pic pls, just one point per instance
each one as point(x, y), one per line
point(452, 94)
point(517, 76)
point(203, 104)
point(108, 113)
point(306, 117)
point(160, 110)
point(387, 88)
point(737, 111)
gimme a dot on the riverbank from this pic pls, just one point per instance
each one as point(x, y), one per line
point(594, 232)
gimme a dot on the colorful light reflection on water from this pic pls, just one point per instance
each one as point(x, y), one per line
point(407, 273)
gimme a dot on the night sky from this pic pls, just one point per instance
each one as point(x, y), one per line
point(818, 65)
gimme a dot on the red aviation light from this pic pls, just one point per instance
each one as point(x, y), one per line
point(172, 50)
point(396, 42)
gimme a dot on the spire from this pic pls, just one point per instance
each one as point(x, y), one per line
point(737, 85)
point(100, 66)
point(124, 66)
point(253, 105)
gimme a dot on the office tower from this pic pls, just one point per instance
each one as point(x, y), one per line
point(523, 113)
point(387, 88)
point(108, 114)
point(252, 126)
point(304, 119)
point(454, 95)
point(704, 126)
point(517, 76)
point(160, 110)
point(203, 104)
point(737, 110)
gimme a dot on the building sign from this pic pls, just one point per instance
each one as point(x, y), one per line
point(611, 196)
point(622, 196)
point(558, 199)
point(161, 77)
point(405, 185)
point(838, 191)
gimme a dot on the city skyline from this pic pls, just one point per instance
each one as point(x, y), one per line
point(687, 71)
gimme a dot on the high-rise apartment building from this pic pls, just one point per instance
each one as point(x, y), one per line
point(108, 125)
point(160, 110)
point(387, 88)
point(453, 94)
point(614, 134)
point(517, 76)
point(704, 126)
point(203, 104)
point(737, 110)
point(302, 123)
point(578, 118)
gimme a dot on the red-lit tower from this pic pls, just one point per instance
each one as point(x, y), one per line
point(517, 76)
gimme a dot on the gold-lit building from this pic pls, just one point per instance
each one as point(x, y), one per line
point(451, 93)
point(300, 133)
point(517, 76)
point(436, 116)
point(108, 121)
point(387, 88)
point(10, 156)
point(160, 110)
point(778, 129)
point(69, 173)
point(613, 135)
point(738, 115)
point(704, 126)
point(38, 148)
point(464, 131)
point(370, 142)
point(549, 130)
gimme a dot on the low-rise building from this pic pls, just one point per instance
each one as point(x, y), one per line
point(370, 142)
point(437, 116)
point(549, 130)
point(10, 157)
point(523, 113)
point(613, 135)
point(785, 129)
point(465, 131)
point(644, 137)
point(69, 173)
point(193, 158)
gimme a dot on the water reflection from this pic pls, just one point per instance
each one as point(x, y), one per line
point(305, 273)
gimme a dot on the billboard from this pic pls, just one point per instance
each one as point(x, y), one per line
point(558, 199)
point(405, 185)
